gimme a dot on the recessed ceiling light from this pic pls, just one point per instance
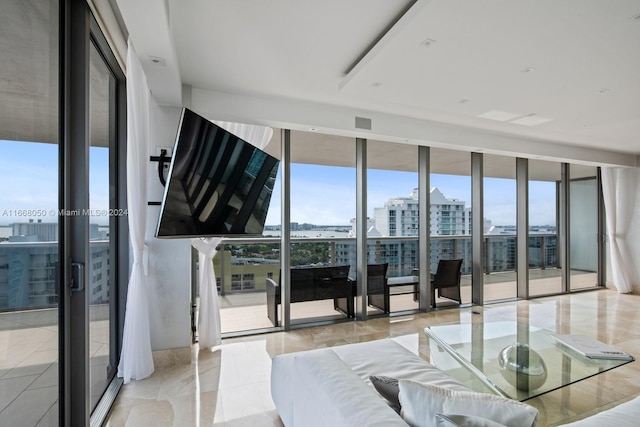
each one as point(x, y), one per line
point(531, 120)
point(428, 42)
point(376, 84)
point(313, 129)
point(527, 70)
point(501, 116)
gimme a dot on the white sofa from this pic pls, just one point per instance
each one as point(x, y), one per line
point(331, 387)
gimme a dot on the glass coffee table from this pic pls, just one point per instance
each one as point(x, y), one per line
point(511, 359)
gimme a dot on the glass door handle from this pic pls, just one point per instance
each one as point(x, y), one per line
point(77, 279)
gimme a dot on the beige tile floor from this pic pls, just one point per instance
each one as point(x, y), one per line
point(29, 364)
point(29, 340)
point(230, 386)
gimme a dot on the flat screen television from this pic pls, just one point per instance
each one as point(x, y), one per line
point(218, 184)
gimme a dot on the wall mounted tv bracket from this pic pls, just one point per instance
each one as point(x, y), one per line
point(163, 167)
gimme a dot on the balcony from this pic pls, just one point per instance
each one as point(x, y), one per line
point(258, 258)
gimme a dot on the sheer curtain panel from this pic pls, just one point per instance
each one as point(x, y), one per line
point(209, 327)
point(136, 361)
point(258, 136)
point(619, 192)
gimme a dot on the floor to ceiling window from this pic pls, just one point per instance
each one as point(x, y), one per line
point(323, 227)
point(583, 227)
point(450, 213)
point(323, 192)
point(392, 215)
point(545, 272)
point(499, 227)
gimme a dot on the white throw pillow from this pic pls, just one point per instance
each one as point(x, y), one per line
point(421, 402)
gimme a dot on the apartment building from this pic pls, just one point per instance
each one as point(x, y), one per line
point(29, 263)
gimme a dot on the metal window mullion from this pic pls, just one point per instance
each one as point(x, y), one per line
point(522, 227)
point(194, 293)
point(424, 231)
point(477, 225)
point(361, 229)
point(285, 230)
point(564, 226)
point(602, 230)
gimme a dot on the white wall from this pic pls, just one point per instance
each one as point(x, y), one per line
point(169, 279)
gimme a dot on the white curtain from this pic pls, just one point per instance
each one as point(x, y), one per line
point(209, 328)
point(136, 361)
point(258, 136)
point(619, 192)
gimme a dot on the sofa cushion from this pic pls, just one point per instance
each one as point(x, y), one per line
point(388, 358)
point(384, 357)
point(421, 402)
point(328, 393)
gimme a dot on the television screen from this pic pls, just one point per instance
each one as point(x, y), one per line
point(218, 184)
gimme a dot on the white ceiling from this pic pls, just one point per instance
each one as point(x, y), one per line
point(437, 62)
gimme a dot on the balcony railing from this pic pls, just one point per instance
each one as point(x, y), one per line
point(400, 252)
point(28, 281)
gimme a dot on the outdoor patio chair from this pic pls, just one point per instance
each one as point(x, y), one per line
point(447, 280)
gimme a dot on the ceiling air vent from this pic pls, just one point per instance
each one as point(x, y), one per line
point(363, 123)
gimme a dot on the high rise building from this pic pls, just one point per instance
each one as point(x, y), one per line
point(35, 231)
point(399, 218)
point(450, 223)
point(28, 262)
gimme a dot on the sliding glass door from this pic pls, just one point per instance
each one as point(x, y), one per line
point(583, 227)
point(104, 218)
point(29, 222)
point(59, 129)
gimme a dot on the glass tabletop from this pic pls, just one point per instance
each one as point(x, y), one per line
point(511, 359)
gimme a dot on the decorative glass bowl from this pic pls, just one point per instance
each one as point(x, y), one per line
point(522, 367)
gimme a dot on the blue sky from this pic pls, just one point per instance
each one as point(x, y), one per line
point(326, 195)
point(319, 194)
point(29, 181)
